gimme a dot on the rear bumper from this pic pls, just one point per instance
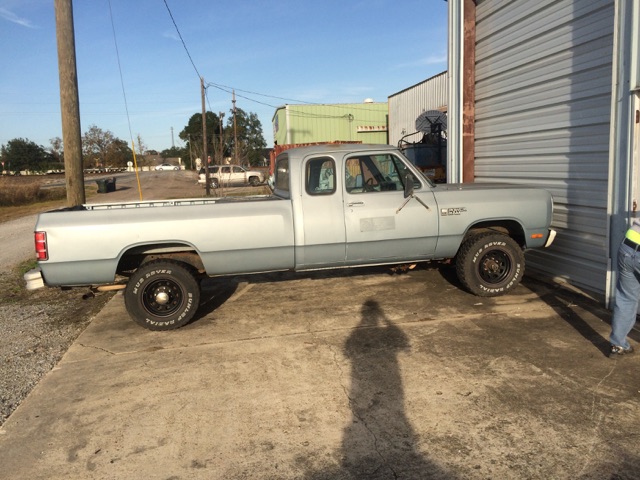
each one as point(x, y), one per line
point(33, 279)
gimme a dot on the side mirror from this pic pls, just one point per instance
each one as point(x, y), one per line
point(408, 185)
point(408, 193)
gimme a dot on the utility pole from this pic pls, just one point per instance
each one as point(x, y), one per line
point(69, 103)
point(235, 131)
point(221, 162)
point(205, 154)
point(173, 145)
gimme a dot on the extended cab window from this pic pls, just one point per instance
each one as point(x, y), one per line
point(282, 174)
point(319, 178)
point(376, 173)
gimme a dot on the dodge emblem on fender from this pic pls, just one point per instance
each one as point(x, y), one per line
point(452, 211)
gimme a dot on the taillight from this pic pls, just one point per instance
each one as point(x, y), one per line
point(41, 246)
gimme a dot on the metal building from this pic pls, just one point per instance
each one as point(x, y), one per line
point(407, 105)
point(554, 103)
point(365, 122)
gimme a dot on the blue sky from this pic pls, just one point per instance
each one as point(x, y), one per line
point(282, 51)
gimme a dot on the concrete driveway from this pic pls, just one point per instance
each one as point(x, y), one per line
point(350, 375)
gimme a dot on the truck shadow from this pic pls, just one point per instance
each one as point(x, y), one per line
point(565, 302)
point(216, 291)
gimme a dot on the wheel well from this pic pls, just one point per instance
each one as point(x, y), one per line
point(506, 227)
point(132, 259)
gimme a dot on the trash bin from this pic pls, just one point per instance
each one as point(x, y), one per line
point(102, 185)
point(111, 184)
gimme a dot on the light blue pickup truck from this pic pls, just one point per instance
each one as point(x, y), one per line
point(332, 206)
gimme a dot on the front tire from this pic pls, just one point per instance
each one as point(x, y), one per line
point(490, 264)
point(162, 295)
point(254, 181)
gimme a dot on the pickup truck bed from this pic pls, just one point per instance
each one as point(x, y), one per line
point(262, 240)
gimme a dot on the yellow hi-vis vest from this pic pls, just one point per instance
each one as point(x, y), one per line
point(633, 233)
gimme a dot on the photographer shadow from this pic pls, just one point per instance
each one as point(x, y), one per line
point(378, 441)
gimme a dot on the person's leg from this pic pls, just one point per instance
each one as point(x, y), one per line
point(626, 300)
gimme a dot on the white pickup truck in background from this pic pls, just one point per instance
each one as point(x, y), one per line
point(332, 206)
point(231, 176)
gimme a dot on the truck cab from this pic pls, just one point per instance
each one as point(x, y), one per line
point(349, 201)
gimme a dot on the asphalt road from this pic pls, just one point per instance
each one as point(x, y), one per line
point(16, 241)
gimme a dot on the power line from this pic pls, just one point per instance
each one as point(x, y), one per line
point(182, 40)
point(228, 89)
point(124, 94)
point(133, 146)
point(233, 90)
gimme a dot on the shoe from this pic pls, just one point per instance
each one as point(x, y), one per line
point(617, 351)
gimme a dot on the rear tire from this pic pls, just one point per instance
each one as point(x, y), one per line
point(215, 183)
point(490, 264)
point(254, 181)
point(162, 295)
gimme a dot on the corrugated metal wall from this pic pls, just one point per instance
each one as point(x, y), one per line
point(407, 105)
point(543, 100)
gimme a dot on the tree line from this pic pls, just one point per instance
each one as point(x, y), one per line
point(242, 139)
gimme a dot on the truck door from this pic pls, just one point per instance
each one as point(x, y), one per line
point(321, 241)
point(238, 176)
point(375, 230)
point(224, 175)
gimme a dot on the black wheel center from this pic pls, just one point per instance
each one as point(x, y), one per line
point(495, 267)
point(162, 297)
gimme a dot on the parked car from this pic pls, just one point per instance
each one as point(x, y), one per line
point(166, 166)
point(231, 176)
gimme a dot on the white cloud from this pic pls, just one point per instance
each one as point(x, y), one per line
point(171, 34)
point(13, 18)
point(422, 62)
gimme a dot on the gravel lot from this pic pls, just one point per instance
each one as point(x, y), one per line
point(38, 327)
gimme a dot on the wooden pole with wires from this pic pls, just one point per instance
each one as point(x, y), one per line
point(69, 103)
point(221, 142)
point(205, 153)
point(235, 132)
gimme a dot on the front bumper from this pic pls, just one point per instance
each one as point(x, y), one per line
point(550, 238)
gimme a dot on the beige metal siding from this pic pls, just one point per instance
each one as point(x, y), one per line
point(407, 105)
point(543, 98)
